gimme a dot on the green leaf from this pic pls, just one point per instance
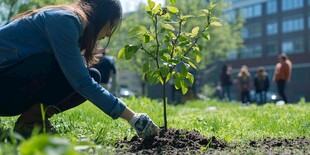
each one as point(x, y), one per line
point(164, 71)
point(146, 38)
point(121, 52)
point(184, 87)
point(216, 24)
point(168, 77)
point(195, 31)
point(168, 26)
point(130, 50)
point(198, 58)
point(174, 61)
point(152, 77)
point(172, 1)
point(138, 30)
point(192, 65)
point(190, 77)
point(157, 9)
point(184, 71)
point(186, 17)
point(211, 5)
point(146, 67)
point(205, 10)
point(177, 82)
point(172, 9)
point(151, 4)
point(171, 35)
point(165, 57)
point(43, 144)
point(206, 36)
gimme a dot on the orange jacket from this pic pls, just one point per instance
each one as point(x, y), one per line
point(282, 71)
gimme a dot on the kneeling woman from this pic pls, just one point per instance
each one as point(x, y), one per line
point(41, 61)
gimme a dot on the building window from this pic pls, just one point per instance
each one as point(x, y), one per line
point(272, 27)
point(251, 51)
point(252, 31)
point(291, 24)
point(245, 33)
point(232, 55)
point(252, 11)
point(309, 19)
point(272, 7)
point(301, 74)
point(295, 45)
point(231, 15)
point(292, 4)
point(272, 48)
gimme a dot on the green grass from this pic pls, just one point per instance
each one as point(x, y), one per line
point(87, 126)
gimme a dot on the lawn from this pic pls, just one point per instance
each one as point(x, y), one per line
point(89, 131)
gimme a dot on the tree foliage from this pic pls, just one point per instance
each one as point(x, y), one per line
point(9, 8)
point(225, 39)
point(170, 50)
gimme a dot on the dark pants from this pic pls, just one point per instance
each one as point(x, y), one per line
point(37, 79)
point(226, 90)
point(281, 89)
point(262, 97)
point(245, 96)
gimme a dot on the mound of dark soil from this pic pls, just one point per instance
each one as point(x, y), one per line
point(176, 141)
point(173, 141)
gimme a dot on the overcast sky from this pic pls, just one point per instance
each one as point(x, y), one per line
point(131, 5)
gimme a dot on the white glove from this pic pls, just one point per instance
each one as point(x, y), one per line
point(143, 125)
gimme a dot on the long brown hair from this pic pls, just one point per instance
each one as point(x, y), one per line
point(94, 14)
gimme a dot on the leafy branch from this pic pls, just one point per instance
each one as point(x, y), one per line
point(168, 47)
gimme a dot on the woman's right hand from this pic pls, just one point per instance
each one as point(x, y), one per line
point(144, 126)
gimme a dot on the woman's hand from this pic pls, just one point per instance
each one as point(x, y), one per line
point(144, 126)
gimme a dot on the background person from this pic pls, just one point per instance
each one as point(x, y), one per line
point(226, 82)
point(107, 68)
point(41, 62)
point(261, 83)
point(244, 81)
point(282, 74)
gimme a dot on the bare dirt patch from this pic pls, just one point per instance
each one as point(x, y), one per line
point(176, 141)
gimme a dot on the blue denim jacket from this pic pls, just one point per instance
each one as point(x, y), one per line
point(56, 31)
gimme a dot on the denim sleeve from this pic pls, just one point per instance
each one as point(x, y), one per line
point(64, 32)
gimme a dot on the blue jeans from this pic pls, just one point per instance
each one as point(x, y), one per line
point(261, 97)
point(37, 79)
point(226, 90)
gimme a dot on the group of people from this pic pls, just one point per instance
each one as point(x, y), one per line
point(282, 75)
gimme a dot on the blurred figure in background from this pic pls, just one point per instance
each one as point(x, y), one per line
point(107, 68)
point(282, 74)
point(261, 83)
point(244, 78)
point(226, 81)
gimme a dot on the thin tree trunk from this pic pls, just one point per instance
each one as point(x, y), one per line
point(165, 105)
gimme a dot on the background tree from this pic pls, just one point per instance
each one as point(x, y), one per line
point(225, 39)
point(121, 38)
point(9, 8)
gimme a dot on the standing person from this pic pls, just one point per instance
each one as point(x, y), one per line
point(107, 68)
point(41, 62)
point(282, 74)
point(244, 78)
point(226, 81)
point(261, 83)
